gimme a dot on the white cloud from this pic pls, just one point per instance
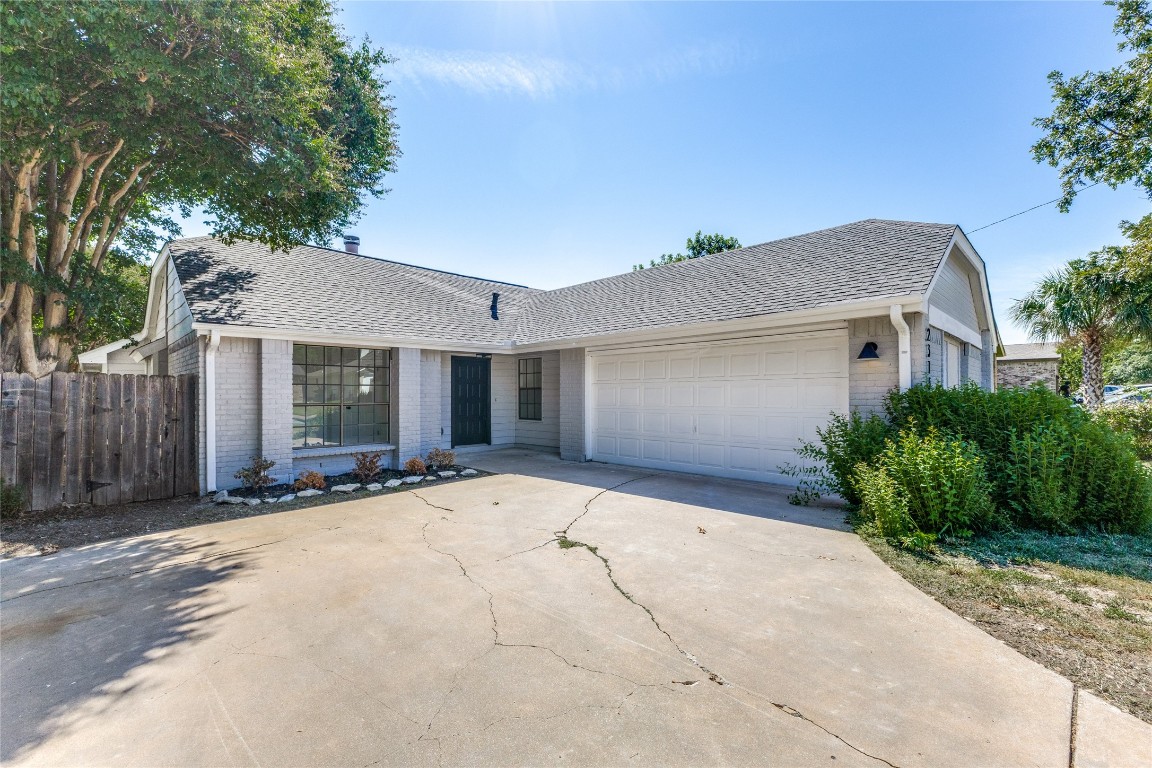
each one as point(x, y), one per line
point(541, 76)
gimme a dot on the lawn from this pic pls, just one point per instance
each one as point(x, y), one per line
point(1079, 605)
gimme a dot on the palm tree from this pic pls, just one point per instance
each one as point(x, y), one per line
point(1090, 300)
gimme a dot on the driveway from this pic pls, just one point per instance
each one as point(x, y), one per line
point(712, 624)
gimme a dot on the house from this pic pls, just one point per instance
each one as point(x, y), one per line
point(115, 357)
point(1023, 365)
point(718, 365)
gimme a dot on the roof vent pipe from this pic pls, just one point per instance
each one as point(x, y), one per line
point(495, 306)
point(351, 243)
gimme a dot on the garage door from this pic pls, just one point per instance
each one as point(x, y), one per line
point(734, 408)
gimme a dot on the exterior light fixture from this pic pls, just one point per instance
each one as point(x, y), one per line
point(869, 352)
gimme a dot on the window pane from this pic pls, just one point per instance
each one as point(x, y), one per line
point(332, 394)
point(331, 355)
point(315, 356)
point(314, 374)
point(364, 394)
point(297, 393)
point(331, 375)
point(297, 437)
point(380, 394)
point(313, 393)
point(299, 354)
point(298, 374)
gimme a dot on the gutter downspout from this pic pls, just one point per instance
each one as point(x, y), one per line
point(904, 359)
point(210, 410)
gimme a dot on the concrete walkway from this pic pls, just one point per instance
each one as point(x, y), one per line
point(713, 624)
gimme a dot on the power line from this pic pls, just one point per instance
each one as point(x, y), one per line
point(1021, 213)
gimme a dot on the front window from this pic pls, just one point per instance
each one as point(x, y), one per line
point(339, 396)
point(530, 398)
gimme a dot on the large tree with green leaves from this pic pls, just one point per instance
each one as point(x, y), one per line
point(115, 114)
point(1100, 129)
point(696, 246)
point(1093, 302)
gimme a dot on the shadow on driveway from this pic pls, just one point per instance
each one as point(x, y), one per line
point(69, 648)
point(743, 497)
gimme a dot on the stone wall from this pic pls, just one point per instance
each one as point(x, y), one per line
point(1024, 373)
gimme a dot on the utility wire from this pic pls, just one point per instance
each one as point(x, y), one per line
point(1057, 199)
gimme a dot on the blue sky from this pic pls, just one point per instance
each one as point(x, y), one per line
point(549, 144)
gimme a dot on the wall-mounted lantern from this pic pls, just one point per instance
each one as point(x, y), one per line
point(869, 352)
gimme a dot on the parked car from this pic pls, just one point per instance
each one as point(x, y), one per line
point(1134, 396)
point(1113, 389)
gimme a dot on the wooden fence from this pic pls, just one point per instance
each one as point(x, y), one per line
point(98, 438)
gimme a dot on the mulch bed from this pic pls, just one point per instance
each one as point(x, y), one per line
point(42, 533)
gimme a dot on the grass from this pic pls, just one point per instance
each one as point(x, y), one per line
point(1079, 605)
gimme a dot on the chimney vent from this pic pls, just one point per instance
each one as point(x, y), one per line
point(495, 306)
point(351, 243)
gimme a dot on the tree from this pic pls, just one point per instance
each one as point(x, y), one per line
point(698, 245)
point(1092, 302)
point(1125, 361)
point(1101, 127)
point(115, 114)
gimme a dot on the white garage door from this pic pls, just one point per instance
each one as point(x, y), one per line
point(735, 408)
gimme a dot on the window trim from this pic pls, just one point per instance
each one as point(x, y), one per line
point(524, 385)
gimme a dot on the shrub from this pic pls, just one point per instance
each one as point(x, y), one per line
point(256, 475)
point(310, 479)
point(845, 442)
point(1051, 465)
point(941, 481)
point(1048, 464)
point(438, 457)
point(1134, 420)
point(12, 501)
point(367, 466)
point(415, 466)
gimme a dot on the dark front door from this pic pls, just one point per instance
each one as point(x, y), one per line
point(471, 401)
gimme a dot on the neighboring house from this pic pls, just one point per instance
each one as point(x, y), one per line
point(718, 365)
point(1022, 365)
point(115, 357)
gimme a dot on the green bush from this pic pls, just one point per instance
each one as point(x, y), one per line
point(845, 442)
point(1134, 420)
point(1048, 465)
point(939, 481)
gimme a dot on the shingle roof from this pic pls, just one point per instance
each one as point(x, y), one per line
point(334, 291)
point(338, 292)
point(1044, 351)
point(853, 262)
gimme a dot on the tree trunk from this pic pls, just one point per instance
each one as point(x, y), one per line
point(1093, 369)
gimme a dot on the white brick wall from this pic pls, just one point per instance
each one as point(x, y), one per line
point(407, 429)
point(504, 400)
point(276, 406)
point(430, 386)
point(237, 407)
point(572, 367)
point(546, 432)
point(870, 380)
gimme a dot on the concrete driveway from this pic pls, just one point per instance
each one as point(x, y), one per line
point(713, 624)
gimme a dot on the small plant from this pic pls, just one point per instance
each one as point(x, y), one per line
point(256, 475)
point(12, 501)
point(441, 459)
point(415, 466)
point(830, 463)
point(367, 466)
point(310, 479)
